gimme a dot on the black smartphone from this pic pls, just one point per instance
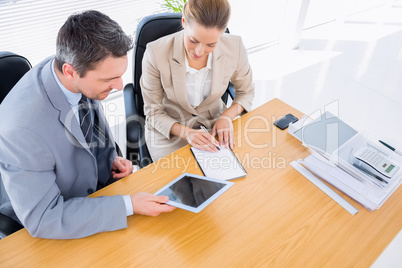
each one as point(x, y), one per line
point(284, 121)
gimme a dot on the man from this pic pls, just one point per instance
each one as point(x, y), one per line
point(55, 144)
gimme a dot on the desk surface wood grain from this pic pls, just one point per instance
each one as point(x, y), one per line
point(274, 217)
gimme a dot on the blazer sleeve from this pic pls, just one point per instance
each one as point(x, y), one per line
point(30, 182)
point(153, 94)
point(242, 79)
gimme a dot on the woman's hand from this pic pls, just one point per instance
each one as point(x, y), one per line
point(196, 137)
point(224, 128)
point(201, 140)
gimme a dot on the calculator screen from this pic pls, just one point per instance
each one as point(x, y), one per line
point(391, 167)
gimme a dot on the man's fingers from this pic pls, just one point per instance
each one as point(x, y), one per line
point(166, 208)
point(121, 168)
point(160, 199)
point(117, 175)
point(117, 164)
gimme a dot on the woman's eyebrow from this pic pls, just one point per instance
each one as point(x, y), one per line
point(194, 39)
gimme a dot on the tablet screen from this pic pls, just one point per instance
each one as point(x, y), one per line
point(193, 191)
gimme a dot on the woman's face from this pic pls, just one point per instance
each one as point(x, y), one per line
point(199, 41)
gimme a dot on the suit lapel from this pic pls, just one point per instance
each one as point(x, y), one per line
point(59, 102)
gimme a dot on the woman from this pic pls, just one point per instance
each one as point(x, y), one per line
point(184, 76)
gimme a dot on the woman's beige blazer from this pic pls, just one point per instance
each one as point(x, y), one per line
point(163, 85)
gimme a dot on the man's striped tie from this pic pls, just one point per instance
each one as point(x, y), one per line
point(85, 119)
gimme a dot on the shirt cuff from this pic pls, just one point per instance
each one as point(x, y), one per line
point(129, 205)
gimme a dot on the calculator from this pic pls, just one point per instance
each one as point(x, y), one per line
point(375, 160)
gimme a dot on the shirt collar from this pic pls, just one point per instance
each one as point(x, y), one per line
point(194, 71)
point(72, 98)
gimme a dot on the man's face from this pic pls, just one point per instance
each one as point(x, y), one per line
point(97, 83)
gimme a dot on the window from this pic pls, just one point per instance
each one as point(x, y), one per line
point(30, 27)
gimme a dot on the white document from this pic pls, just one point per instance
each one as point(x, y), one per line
point(359, 190)
point(222, 165)
point(333, 144)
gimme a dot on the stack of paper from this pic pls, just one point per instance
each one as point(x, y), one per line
point(333, 145)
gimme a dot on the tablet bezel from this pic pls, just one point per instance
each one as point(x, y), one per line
point(227, 185)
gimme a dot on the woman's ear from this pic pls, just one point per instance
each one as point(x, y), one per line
point(183, 22)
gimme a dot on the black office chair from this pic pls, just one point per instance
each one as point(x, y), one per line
point(149, 29)
point(12, 68)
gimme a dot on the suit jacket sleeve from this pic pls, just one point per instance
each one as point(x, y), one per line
point(31, 184)
point(153, 94)
point(242, 79)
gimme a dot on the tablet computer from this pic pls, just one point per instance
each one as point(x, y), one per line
point(193, 192)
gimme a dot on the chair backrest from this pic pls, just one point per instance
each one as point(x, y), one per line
point(150, 29)
point(12, 68)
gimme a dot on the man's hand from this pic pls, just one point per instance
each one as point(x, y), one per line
point(150, 205)
point(121, 167)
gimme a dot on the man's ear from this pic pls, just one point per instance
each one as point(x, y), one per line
point(69, 71)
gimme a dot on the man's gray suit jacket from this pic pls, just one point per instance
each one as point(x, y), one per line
point(46, 166)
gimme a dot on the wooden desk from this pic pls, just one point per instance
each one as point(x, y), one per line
point(272, 218)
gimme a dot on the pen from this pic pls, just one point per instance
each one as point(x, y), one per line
point(206, 130)
point(369, 173)
point(390, 147)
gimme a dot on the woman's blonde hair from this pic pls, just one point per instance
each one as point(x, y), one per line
point(208, 13)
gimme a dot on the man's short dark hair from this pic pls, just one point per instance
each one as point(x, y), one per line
point(88, 38)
